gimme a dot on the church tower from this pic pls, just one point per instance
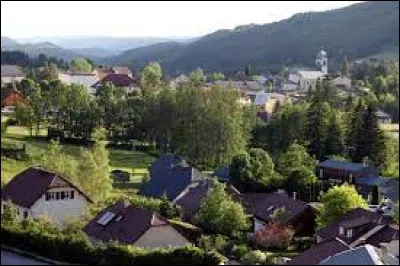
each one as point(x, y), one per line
point(322, 61)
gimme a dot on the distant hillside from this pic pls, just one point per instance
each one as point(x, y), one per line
point(357, 31)
point(115, 44)
point(95, 52)
point(34, 49)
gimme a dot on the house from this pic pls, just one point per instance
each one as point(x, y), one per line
point(287, 85)
point(11, 73)
point(85, 79)
point(133, 226)
point(190, 199)
point(170, 175)
point(36, 192)
point(319, 252)
point(265, 101)
point(122, 70)
point(363, 255)
point(264, 206)
point(123, 81)
point(342, 171)
point(341, 82)
point(101, 73)
point(359, 227)
point(10, 98)
point(383, 118)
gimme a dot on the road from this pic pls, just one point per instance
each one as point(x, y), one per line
point(10, 258)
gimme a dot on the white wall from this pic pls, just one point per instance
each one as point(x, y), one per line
point(7, 80)
point(289, 87)
point(161, 236)
point(59, 210)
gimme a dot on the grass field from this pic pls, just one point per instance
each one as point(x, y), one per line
point(135, 163)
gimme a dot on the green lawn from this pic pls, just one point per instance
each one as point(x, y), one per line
point(135, 163)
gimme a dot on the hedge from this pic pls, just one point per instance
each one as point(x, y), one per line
point(76, 248)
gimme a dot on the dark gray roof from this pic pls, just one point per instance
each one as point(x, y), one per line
point(364, 255)
point(222, 173)
point(343, 165)
point(170, 175)
point(390, 189)
point(370, 181)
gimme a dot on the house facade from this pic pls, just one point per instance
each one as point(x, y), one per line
point(10, 98)
point(11, 74)
point(343, 171)
point(37, 192)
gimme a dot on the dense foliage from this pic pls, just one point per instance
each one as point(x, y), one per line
point(337, 201)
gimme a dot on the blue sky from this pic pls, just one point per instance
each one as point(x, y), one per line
point(128, 19)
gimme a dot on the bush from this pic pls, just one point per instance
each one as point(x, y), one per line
point(191, 232)
point(240, 251)
point(4, 127)
point(255, 257)
point(274, 236)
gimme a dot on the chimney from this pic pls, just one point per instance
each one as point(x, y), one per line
point(294, 195)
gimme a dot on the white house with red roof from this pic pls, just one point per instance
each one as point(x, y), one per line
point(37, 192)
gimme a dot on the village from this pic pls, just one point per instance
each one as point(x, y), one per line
point(177, 134)
point(278, 220)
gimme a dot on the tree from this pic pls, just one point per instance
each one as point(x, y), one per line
point(345, 67)
point(370, 139)
point(334, 143)
point(354, 128)
point(337, 201)
point(254, 169)
point(247, 71)
point(219, 213)
point(81, 65)
point(94, 168)
point(25, 116)
point(150, 77)
point(316, 125)
point(26, 86)
point(390, 167)
point(10, 213)
point(396, 213)
point(217, 76)
point(301, 180)
point(295, 157)
point(274, 235)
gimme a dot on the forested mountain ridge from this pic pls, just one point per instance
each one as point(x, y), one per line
point(358, 31)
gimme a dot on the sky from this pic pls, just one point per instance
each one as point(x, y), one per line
point(21, 19)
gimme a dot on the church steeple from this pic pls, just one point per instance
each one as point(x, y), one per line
point(322, 61)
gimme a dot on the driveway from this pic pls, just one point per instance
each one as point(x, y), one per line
point(10, 258)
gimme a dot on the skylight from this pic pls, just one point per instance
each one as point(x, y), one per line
point(106, 218)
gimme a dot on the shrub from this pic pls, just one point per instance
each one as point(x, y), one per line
point(76, 248)
point(191, 232)
point(274, 235)
point(240, 251)
point(4, 127)
point(255, 257)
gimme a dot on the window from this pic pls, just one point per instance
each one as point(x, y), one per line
point(72, 194)
point(63, 196)
point(57, 195)
point(349, 233)
point(25, 214)
point(48, 197)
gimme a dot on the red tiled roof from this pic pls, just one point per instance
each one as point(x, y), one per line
point(120, 80)
point(28, 186)
point(319, 252)
point(15, 95)
point(128, 229)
